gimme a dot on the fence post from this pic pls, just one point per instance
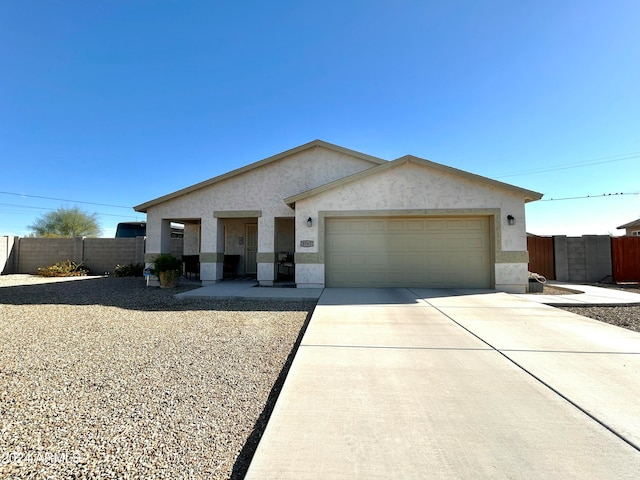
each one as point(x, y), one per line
point(598, 257)
point(561, 258)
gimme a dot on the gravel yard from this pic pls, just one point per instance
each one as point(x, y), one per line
point(104, 378)
point(626, 317)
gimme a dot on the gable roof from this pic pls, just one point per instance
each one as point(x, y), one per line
point(529, 195)
point(212, 181)
point(635, 223)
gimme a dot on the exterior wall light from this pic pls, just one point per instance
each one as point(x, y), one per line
point(511, 220)
point(309, 222)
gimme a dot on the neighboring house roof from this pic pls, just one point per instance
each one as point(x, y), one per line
point(635, 223)
point(528, 195)
point(316, 143)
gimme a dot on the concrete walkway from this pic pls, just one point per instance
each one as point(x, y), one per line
point(587, 295)
point(249, 290)
point(414, 384)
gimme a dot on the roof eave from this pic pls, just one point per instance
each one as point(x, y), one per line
point(143, 207)
point(528, 195)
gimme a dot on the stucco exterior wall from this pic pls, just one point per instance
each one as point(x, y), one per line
point(262, 189)
point(8, 254)
point(414, 189)
point(404, 188)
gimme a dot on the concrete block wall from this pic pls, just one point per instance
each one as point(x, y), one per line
point(577, 259)
point(582, 259)
point(34, 253)
point(100, 255)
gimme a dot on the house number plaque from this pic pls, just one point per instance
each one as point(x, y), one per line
point(306, 243)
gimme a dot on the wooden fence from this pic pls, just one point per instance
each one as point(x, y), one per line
point(625, 253)
point(546, 257)
point(541, 258)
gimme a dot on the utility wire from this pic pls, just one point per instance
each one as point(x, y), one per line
point(45, 208)
point(590, 196)
point(585, 163)
point(64, 200)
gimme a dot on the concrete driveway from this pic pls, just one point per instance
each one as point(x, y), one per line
point(398, 383)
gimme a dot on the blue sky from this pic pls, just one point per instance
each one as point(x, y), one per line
point(119, 102)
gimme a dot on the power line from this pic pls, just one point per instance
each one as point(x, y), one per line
point(64, 200)
point(45, 208)
point(591, 196)
point(584, 163)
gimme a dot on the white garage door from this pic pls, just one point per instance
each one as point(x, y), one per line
point(452, 252)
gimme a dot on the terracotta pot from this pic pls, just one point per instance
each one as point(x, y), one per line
point(168, 279)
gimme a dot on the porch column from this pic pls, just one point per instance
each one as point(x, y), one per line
point(165, 236)
point(212, 250)
point(158, 235)
point(158, 241)
point(266, 251)
point(191, 239)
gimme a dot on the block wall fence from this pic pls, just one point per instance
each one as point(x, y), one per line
point(590, 258)
point(99, 255)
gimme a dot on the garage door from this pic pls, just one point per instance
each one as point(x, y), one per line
point(408, 252)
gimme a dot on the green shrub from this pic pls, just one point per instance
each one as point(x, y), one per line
point(64, 269)
point(130, 270)
point(165, 262)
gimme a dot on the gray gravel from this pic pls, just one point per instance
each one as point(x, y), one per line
point(104, 378)
point(626, 317)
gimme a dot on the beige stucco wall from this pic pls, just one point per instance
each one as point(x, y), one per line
point(412, 189)
point(406, 189)
point(262, 189)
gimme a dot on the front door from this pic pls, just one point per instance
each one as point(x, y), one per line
point(251, 249)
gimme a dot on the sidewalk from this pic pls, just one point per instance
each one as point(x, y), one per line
point(594, 296)
point(249, 290)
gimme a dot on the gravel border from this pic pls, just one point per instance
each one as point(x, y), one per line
point(105, 378)
point(626, 317)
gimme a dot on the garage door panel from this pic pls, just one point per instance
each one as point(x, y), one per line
point(376, 226)
point(456, 225)
point(435, 226)
point(475, 243)
point(434, 243)
point(415, 243)
point(396, 226)
point(418, 252)
point(371, 242)
point(415, 226)
point(477, 225)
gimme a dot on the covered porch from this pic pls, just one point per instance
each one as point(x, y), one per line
point(229, 245)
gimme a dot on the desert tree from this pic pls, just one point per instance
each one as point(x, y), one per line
point(66, 222)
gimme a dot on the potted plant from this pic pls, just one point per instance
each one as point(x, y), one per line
point(168, 269)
